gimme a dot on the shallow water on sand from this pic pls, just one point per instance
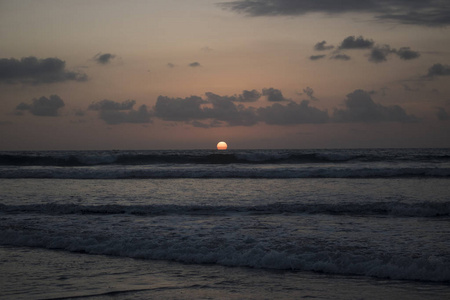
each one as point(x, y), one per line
point(31, 273)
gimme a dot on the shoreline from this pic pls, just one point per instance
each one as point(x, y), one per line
point(54, 274)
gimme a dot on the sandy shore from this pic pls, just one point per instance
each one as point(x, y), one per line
point(30, 273)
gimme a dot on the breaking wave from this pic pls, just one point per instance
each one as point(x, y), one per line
point(93, 158)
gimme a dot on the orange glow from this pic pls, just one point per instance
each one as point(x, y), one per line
point(222, 146)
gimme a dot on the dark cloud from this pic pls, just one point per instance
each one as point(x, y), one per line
point(321, 46)
point(406, 53)
point(216, 111)
point(442, 114)
point(340, 57)
point(379, 54)
point(274, 95)
point(417, 12)
point(356, 43)
point(249, 96)
point(246, 96)
point(103, 58)
point(216, 107)
point(43, 106)
point(179, 109)
point(298, 7)
point(316, 57)
point(310, 93)
point(223, 109)
point(438, 70)
point(359, 107)
point(114, 113)
point(171, 65)
point(32, 70)
point(194, 64)
point(292, 113)
point(211, 97)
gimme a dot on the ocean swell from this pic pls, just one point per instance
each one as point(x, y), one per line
point(397, 209)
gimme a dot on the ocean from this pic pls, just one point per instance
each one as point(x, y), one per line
point(233, 224)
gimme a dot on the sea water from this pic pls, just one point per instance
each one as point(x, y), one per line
point(243, 224)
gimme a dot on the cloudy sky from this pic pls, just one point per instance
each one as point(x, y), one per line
point(185, 74)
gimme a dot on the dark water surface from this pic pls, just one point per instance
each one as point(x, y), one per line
point(245, 224)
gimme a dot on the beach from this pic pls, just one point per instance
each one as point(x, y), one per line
point(31, 273)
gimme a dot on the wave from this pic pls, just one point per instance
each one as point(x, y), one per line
point(397, 209)
point(241, 252)
point(218, 172)
point(93, 158)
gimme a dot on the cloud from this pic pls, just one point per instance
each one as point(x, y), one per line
point(170, 65)
point(356, 43)
point(194, 64)
point(114, 113)
point(438, 70)
point(380, 53)
point(216, 111)
point(310, 93)
point(274, 95)
point(43, 106)
point(223, 109)
point(442, 114)
point(340, 57)
point(103, 58)
point(424, 12)
point(406, 53)
point(249, 96)
point(359, 107)
point(246, 96)
point(316, 57)
point(32, 70)
point(321, 46)
point(211, 97)
point(377, 54)
point(179, 109)
point(292, 113)
point(216, 107)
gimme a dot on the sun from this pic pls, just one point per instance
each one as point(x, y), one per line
point(222, 146)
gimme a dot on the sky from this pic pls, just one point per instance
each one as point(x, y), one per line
point(258, 74)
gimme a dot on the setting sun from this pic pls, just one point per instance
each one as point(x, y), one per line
point(222, 146)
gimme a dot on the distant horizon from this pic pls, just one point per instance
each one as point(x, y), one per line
point(223, 151)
